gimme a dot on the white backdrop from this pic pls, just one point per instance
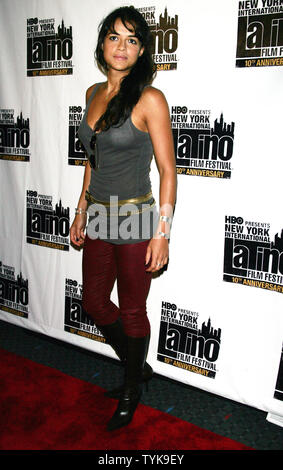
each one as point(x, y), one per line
point(216, 313)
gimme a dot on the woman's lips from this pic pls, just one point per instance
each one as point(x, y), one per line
point(120, 57)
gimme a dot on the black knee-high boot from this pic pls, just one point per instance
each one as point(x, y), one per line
point(132, 389)
point(115, 336)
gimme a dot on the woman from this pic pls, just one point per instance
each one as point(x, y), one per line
point(126, 120)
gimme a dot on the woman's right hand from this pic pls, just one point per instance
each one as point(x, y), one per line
point(77, 229)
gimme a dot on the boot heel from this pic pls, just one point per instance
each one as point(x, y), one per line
point(126, 408)
point(147, 375)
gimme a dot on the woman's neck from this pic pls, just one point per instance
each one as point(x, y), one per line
point(114, 81)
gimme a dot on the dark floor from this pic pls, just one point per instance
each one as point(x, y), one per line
point(222, 416)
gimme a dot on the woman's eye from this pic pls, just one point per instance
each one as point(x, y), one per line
point(131, 40)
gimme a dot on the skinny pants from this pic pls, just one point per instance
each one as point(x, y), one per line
point(105, 262)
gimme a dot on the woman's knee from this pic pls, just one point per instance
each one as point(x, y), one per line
point(135, 322)
point(101, 312)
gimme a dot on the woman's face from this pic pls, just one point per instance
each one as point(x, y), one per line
point(121, 49)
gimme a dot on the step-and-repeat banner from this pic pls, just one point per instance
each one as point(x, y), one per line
point(216, 312)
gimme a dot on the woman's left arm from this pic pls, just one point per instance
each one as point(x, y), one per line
point(158, 123)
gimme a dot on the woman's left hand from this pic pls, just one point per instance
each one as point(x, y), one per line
point(157, 254)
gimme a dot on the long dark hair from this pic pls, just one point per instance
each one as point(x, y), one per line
point(142, 73)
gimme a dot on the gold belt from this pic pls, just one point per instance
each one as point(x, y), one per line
point(121, 202)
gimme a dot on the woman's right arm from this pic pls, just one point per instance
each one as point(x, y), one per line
point(77, 229)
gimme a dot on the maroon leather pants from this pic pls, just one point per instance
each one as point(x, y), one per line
point(103, 263)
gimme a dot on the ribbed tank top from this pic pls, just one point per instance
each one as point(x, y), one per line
point(123, 156)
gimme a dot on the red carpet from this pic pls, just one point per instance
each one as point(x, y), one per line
point(44, 409)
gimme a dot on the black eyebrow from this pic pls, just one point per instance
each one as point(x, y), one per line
point(117, 34)
point(112, 31)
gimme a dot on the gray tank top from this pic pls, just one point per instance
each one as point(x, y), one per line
point(123, 156)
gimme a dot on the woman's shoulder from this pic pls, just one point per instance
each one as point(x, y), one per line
point(152, 93)
point(90, 90)
point(152, 97)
